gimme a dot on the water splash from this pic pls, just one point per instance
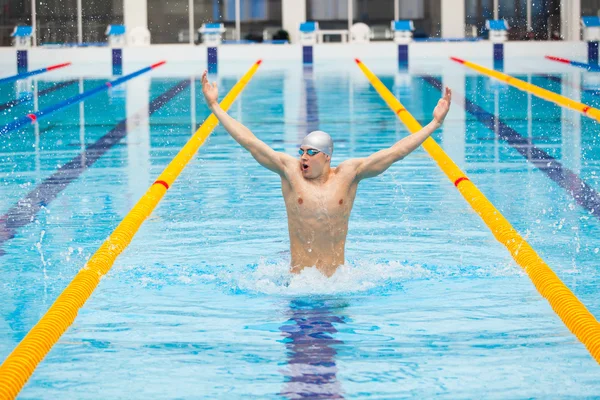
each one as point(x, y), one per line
point(272, 277)
point(40, 250)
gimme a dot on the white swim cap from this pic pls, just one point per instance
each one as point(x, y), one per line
point(319, 140)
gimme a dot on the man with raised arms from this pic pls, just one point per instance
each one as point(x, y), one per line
point(318, 197)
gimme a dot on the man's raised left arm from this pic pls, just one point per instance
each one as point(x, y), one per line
point(380, 161)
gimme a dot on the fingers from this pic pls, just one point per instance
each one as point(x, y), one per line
point(447, 98)
point(204, 78)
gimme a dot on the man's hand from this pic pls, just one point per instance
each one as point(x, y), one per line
point(211, 92)
point(441, 110)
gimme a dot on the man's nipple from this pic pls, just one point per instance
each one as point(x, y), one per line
point(341, 201)
point(300, 201)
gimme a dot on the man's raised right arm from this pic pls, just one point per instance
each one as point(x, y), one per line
point(264, 154)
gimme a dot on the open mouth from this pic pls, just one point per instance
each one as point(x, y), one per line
point(304, 167)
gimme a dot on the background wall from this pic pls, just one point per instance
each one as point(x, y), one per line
point(381, 52)
point(169, 21)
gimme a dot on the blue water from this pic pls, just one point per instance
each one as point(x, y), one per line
point(201, 304)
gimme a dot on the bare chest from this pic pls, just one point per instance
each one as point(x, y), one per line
point(327, 202)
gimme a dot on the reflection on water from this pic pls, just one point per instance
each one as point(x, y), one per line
point(310, 94)
point(311, 370)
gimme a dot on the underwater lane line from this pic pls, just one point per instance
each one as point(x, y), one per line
point(545, 94)
point(32, 73)
point(33, 117)
point(18, 367)
point(585, 195)
point(565, 304)
point(58, 86)
point(25, 210)
point(312, 103)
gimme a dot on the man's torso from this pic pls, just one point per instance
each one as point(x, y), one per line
point(318, 217)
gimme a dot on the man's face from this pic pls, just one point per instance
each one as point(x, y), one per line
point(312, 165)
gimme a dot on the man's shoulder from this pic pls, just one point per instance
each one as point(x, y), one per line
point(347, 169)
point(349, 164)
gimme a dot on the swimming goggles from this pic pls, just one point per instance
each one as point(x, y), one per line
point(310, 152)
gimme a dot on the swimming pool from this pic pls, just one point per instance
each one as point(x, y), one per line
point(201, 303)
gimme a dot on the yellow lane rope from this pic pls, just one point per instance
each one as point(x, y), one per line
point(568, 307)
point(556, 98)
point(20, 364)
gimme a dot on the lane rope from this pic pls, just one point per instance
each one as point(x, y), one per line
point(565, 304)
point(34, 117)
point(32, 73)
point(542, 93)
point(18, 367)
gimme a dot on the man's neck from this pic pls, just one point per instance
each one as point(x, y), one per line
point(323, 178)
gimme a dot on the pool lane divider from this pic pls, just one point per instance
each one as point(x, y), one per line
point(563, 101)
point(33, 117)
point(584, 194)
point(589, 67)
point(18, 367)
point(564, 303)
point(24, 211)
point(58, 86)
point(32, 73)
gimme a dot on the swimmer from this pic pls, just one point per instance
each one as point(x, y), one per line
point(318, 197)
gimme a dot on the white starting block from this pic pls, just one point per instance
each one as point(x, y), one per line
point(360, 33)
point(498, 29)
point(591, 28)
point(22, 37)
point(116, 35)
point(309, 32)
point(212, 34)
point(138, 36)
point(403, 31)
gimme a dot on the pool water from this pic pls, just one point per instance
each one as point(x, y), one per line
point(201, 304)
